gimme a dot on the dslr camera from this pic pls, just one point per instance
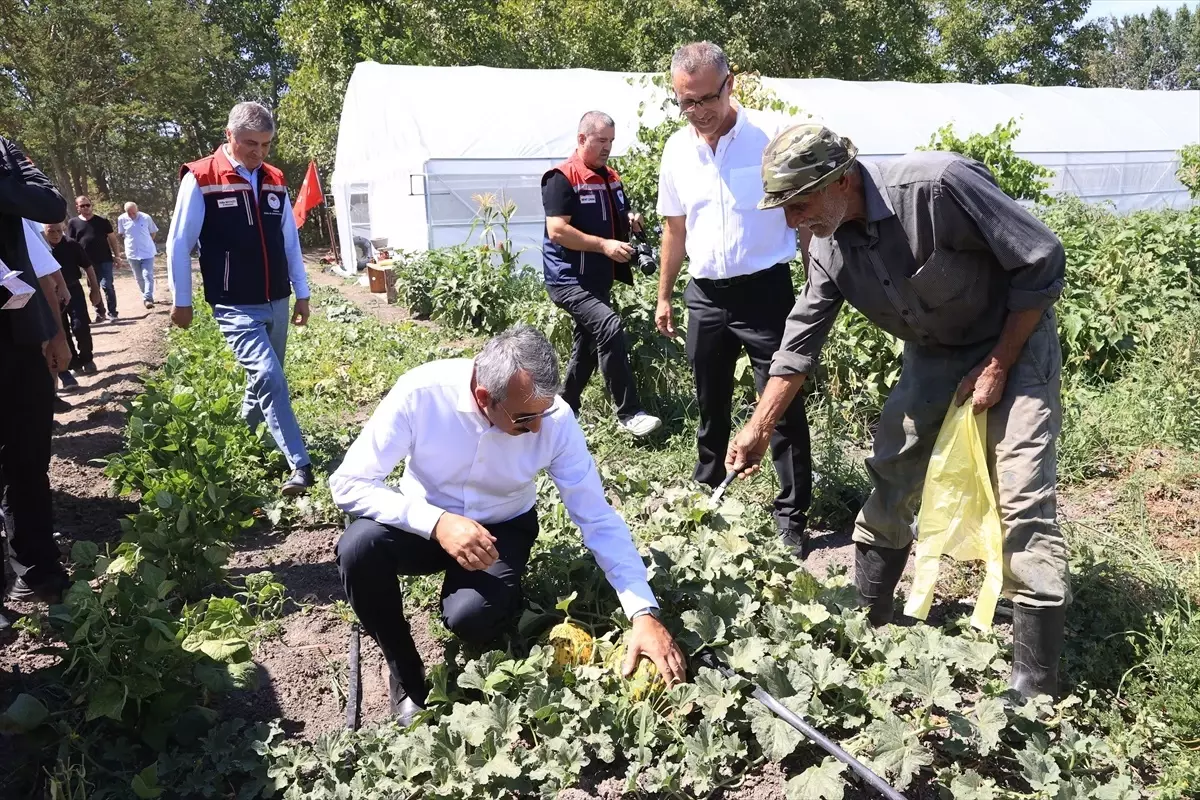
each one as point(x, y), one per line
point(647, 259)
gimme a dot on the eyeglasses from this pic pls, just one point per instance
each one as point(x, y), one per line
point(85, 205)
point(524, 419)
point(687, 107)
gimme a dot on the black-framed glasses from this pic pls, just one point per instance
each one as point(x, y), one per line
point(85, 205)
point(524, 419)
point(691, 106)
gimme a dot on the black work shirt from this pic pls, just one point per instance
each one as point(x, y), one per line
point(558, 196)
point(93, 235)
point(72, 258)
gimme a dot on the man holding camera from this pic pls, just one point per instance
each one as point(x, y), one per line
point(584, 248)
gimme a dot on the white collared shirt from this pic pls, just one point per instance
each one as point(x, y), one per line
point(138, 233)
point(718, 193)
point(456, 461)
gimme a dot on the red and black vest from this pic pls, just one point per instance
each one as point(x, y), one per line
point(242, 257)
point(603, 211)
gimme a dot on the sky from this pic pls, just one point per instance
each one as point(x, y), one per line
point(1122, 8)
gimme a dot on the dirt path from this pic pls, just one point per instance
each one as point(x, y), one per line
point(92, 429)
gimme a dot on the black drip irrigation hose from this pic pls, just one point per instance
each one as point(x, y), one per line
point(709, 659)
point(354, 692)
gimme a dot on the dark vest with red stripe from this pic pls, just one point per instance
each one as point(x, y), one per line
point(242, 257)
point(602, 211)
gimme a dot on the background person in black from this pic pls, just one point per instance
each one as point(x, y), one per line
point(585, 247)
point(74, 262)
point(26, 354)
point(100, 242)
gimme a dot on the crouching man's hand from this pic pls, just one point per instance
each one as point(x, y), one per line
point(651, 639)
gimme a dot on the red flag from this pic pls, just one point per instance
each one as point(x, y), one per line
point(310, 195)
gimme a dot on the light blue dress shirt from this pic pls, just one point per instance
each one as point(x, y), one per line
point(185, 232)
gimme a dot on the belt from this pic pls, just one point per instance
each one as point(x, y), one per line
point(725, 283)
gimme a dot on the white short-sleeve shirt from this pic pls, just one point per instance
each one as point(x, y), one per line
point(718, 193)
point(139, 243)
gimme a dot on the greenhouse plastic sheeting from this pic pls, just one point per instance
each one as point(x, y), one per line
point(417, 144)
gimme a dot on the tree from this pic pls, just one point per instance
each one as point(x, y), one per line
point(103, 93)
point(1036, 42)
point(1154, 51)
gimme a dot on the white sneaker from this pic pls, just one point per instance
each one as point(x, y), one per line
point(641, 424)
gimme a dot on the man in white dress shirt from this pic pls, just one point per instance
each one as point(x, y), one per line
point(740, 292)
point(139, 229)
point(473, 435)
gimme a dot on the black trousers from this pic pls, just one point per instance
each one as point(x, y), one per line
point(25, 430)
point(77, 324)
point(722, 319)
point(599, 337)
point(477, 606)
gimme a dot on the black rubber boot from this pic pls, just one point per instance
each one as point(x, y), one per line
point(1038, 634)
point(877, 570)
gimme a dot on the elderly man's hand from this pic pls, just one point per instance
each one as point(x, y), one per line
point(984, 386)
point(57, 353)
point(746, 450)
point(651, 639)
point(466, 541)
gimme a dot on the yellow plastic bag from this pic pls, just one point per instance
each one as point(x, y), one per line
point(958, 515)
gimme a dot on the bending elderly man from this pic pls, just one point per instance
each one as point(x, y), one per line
point(473, 436)
point(930, 249)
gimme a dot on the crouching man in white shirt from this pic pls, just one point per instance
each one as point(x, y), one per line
point(473, 436)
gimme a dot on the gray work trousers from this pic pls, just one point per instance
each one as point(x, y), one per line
point(1022, 430)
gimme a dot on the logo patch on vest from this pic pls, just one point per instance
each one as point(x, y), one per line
point(273, 201)
point(226, 202)
point(587, 197)
point(621, 197)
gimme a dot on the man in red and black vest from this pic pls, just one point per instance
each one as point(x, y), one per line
point(584, 248)
point(235, 206)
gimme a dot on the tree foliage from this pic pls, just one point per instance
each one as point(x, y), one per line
point(1153, 51)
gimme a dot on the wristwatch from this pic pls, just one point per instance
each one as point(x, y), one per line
point(647, 612)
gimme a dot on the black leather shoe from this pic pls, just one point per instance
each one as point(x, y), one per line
point(49, 593)
point(1038, 634)
point(404, 708)
point(877, 570)
point(795, 541)
point(299, 482)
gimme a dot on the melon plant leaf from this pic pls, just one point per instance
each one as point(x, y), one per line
point(897, 750)
point(822, 781)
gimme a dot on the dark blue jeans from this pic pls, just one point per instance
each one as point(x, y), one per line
point(104, 272)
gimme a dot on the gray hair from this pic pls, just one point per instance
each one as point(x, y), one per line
point(130, 205)
point(521, 347)
point(252, 117)
point(593, 121)
point(691, 58)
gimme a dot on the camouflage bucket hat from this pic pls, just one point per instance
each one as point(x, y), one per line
point(801, 160)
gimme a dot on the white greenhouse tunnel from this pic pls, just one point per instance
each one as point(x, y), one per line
point(416, 145)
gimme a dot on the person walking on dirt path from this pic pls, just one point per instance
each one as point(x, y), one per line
point(73, 260)
point(931, 250)
point(739, 259)
point(585, 246)
point(138, 229)
point(100, 243)
point(474, 435)
point(32, 349)
point(49, 273)
point(236, 206)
